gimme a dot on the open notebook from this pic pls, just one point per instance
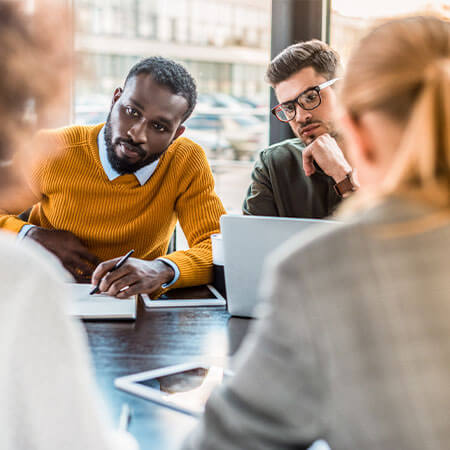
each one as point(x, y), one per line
point(100, 306)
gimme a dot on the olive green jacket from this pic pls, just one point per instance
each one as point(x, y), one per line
point(280, 187)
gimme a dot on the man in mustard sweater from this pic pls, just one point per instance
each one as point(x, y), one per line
point(103, 190)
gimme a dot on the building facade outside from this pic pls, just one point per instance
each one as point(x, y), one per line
point(223, 43)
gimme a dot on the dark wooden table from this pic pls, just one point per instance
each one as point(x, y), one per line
point(159, 338)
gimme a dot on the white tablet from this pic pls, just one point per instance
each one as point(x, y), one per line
point(184, 387)
point(187, 297)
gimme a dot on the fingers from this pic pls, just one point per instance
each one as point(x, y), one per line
point(84, 279)
point(78, 248)
point(89, 257)
point(74, 256)
point(117, 288)
point(128, 291)
point(134, 277)
point(138, 288)
point(308, 161)
point(112, 277)
point(102, 269)
point(77, 264)
point(326, 153)
point(124, 285)
point(78, 277)
point(80, 270)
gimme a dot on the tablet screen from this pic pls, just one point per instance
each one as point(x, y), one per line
point(188, 389)
point(202, 292)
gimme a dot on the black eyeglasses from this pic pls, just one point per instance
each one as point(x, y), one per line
point(308, 100)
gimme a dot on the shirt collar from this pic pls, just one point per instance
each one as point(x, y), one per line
point(142, 175)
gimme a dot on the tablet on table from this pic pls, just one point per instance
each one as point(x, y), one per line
point(184, 387)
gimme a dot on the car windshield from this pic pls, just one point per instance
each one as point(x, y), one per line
point(246, 121)
point(203, 122)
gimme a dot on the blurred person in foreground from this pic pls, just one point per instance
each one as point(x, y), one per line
point(109, 188)
point(306, 176)
point(47, 394)
point(354, 345)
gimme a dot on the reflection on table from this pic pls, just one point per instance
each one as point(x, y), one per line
point(156, 339)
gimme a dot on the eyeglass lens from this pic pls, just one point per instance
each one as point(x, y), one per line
point(308, 100)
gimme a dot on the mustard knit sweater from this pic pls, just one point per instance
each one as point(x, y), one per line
point(111, 217)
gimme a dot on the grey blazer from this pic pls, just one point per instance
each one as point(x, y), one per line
point(353, 347)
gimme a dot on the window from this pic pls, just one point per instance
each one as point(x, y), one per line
point(225, 44)
point(350, 20)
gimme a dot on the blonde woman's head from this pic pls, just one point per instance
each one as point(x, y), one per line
point(397, 96)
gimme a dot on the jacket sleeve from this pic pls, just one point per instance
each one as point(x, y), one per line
point(199, 210)
point(53, 386)
point(260, 200)
point(275, 399)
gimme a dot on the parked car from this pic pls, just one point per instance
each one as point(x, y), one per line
point(220, 100)
point(221, 129)
point(207, 131)
point(246, 135)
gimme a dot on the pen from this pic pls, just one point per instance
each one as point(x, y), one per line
point(125, 417)
point(118, 264)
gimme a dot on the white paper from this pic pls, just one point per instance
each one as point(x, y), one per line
point(99, 306)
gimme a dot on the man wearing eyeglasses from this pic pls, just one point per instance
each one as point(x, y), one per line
point(306, 176)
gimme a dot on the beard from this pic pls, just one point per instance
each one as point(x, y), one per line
point(328, 127)
point(122, 165)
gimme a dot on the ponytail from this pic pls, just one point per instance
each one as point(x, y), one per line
point(421, 167)
point(410, 83)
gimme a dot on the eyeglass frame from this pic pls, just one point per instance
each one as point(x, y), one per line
point(317, 88)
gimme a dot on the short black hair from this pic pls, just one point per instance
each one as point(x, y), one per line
point(316, 54)
point(170, 74)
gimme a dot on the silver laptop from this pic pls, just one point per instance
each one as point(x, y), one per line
point(247, 240)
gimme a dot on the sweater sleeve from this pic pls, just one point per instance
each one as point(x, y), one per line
point(15, 199)
point(199, 210)
point(10, 222)
point(260, 200)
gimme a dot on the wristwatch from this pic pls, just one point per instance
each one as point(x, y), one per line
point(346, 185)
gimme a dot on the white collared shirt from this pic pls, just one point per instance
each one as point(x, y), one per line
point(143, 174)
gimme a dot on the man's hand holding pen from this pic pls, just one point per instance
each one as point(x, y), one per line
point(135, 276)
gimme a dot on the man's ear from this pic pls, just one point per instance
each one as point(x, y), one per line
point(179, 132)
point(117, 93)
